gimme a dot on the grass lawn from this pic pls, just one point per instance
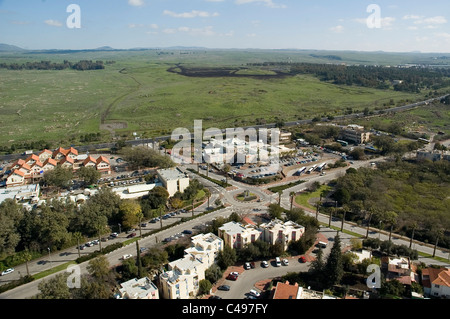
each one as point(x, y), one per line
point(137, 91)
point(303, 198)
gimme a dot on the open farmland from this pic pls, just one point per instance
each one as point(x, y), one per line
point(139, 94)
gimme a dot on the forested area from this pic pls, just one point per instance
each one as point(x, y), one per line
point(407, 198)
point(412, 79)
point(82, 65)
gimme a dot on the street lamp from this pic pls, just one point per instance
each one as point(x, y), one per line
point(120, 230)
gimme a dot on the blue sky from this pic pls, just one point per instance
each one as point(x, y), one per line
point(267, 24)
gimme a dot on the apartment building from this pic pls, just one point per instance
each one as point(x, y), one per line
point(277, 231)
point(182, 279)
point(236, 235)
point(135, 288)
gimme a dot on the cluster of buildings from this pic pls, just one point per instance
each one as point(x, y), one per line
point(236, 150)
point(237, 235)
point(24, 171)
point(433, 156)
point(354, 133)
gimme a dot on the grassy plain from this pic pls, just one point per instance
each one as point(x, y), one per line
point(138, 92)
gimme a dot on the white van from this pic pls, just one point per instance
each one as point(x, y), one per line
point(278, 261)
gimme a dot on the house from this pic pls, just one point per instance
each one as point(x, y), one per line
point(182, 279)
point(23, 194)
point(49, 164)
point(281, 232)
point(436, 282)
point(90, 162)
point(37, 169)
point(236, 235)
point(16, 178)
point(399, 268)
point(44, 155)
point(32, 159)
point(26, 169)
point(59, 153)
point(103, 166)
point(135, 288)
point(67, 163)
point(16, 164)
point(173, 180)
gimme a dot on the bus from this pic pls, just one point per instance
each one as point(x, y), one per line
point(321, 167)
point(310, 170)
point(300, 171)
point(423, 140)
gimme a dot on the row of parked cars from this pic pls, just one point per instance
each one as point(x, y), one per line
point(96, 241)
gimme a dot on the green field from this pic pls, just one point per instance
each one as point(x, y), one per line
point(138, 94)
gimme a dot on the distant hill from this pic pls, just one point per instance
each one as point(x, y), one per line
point(9, 48)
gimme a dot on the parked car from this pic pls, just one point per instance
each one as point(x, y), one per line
point(253, 292)
point(127, 256)
point(264, 264)
point(285, 262)
point(131, 235)
point(224, 287)
point(187, 231)
point(233, 276)
point(302, 259)
point(114, 235)
point(247, 266)
point(7, 271)
point(278, 261)
point(144, 225)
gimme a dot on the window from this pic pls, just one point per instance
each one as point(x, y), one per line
point(436, 286)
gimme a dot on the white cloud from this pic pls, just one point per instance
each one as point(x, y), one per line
point(386, 23)
point(53, 23)
point(136, 3)
point(337, 29)
point(154, 26)
point(412, 17)
point(432, 20)
point(267, 3)
point(192, 14)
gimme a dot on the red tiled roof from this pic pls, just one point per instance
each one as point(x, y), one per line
point(32, 157)
point(59, 150)
point(50, 161)
point(89, 159)
point(46, 151)
point(102, 159)
point(38, 163)
point(26, 166)
point(18, 173)
point(67, 159)
point(19, 162)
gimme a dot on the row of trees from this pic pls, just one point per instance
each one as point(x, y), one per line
point(408, 198)
point(82, 65)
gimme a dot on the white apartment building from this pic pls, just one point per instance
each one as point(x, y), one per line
point(281, 232)
point(173, 180)
point(182, 279)
point(236, 235)
point(354, 133)
point(135, 288)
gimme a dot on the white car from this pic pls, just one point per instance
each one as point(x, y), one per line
point(127, 256)
point(264, 264)
point(254, 293)
point(7, 271)
point(285, 262)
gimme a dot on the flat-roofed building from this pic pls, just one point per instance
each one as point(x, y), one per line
point(173, 180)
point(277, 231)
point(236, 235)
point(135, 288)
point(354, 133)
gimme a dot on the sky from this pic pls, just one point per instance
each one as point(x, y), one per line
point(375, 25)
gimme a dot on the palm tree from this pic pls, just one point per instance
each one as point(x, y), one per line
point(438, 234)
point(292, 195)
point(414, 226)
point(279, 197)
point(78, 236)
point(345, 208)
point(317, 204)
point(226, 169)
point(391, 219)
point(371, 212)
point(26, 257)
point(140, 215)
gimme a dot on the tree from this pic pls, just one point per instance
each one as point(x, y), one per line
point(334, 267)
point(52, 227)
point(157, 196)
point(89, 175)
point(58, 177)
point(140, 157)
point(54, 288)
point(204, 286)
point(226, 169)
point(78, 237)
point(130, 212)
point(213, 273)
point(318, 265)
point(226, 257)
point(11, 215)
point(292, 196)
point(275, 211)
